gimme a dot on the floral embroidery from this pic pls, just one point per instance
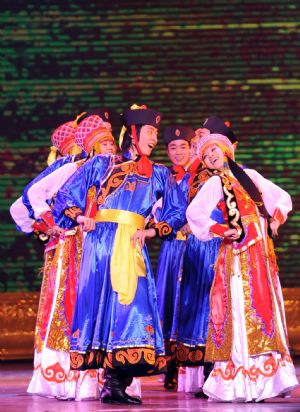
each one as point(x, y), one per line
point(196, 182)
point(73, 212)
point(76, 360)
point(135, 358)
point(149, 329)
point(162, 229)
point(116, 179)
point(190, 355)
point(268, 369)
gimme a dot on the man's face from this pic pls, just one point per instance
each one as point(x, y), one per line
point(147, 139)
point(179, 152)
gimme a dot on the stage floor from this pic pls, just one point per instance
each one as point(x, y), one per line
point(15, 376)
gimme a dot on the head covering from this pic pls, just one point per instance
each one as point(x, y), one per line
point(218, 139)
point(63, 138)
point(228, 149)
point(216, 125)
point(178, 132)
point(139, 115)
point(101, 112)
point(93, 127)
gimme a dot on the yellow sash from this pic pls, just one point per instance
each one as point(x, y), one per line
point(127, 262)
point(180, 236)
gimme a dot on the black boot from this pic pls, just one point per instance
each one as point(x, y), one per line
point(125, 382)
point(171, 378)
point(208, 367)
point(113, 390)
point(201, 394)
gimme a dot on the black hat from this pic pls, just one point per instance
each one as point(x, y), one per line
point(178, 132)
point(141, 116)
point(216, 125)
point(103, 113)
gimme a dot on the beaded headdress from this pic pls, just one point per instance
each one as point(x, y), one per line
point(91, 130)
point(63, 138)
point(218, 139)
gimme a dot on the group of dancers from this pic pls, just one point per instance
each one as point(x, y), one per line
point(211, 320)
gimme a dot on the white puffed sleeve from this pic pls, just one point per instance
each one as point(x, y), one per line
point(277, 201)
point(199, 211)
point(47, 187)
point(20, 215)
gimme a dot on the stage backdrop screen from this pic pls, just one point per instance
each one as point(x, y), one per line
point(238, 60)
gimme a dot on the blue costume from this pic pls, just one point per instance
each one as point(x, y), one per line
point(105, 332)
point(168, 280)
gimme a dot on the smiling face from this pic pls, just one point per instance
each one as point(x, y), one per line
point(147, 139)
point(105, 147)
point(179, 152)
point(213, 157)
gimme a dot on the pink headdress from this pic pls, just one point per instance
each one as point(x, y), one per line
point(91, 130)
point(63, 138)
point(218, 139)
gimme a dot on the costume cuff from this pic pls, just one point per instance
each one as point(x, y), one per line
point(48, 219)
point(162, 229)
point(73, 212)
point(40, 227)
point(277, 215)
point(151, 223)
point(218, 230)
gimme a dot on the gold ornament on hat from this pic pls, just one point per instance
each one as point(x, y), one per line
point(75, 122)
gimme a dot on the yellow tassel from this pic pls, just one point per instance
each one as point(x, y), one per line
point(75, 122)
point(52, 155)
point(134, 106)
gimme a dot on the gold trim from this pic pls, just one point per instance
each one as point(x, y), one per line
point(180, 236)
point(18, 312)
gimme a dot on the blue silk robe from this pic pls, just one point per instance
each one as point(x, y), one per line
point(106, 333)
point(168, 280)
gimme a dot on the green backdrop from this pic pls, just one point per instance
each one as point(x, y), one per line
point(189, 59)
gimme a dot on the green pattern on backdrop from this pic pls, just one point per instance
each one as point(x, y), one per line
point(190, 59)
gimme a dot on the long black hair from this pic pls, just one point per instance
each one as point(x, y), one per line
point(249, 186)
point(127, 138)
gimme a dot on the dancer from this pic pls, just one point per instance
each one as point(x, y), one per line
point(198, 272)
point(247, 337)
point(169, 270)
point(52, 375)
point(116, 324)
point(63, 140)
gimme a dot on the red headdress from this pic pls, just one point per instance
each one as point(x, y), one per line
point(92, 129)
point(63, 138)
